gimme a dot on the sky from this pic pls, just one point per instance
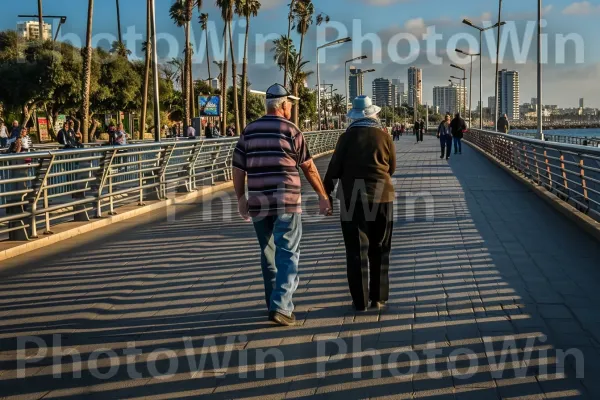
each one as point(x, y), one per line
point(405, 29)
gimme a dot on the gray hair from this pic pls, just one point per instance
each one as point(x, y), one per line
point(275, 104)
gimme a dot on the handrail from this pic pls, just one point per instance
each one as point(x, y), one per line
point(570, 171)
point(43, 188)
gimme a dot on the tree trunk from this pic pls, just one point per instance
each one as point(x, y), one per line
point(191, 83)
point(186, 83)
point(208, 56)
point(87, 73)
point(224, 82)
point(287, 47)
point(296, 107)
point(245, 77)
point(119, 23)
point(146, 74)
point(236, 104)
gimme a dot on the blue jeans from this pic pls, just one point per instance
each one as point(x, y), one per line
point(3, 142)
point(457, 145)
point(279, 239)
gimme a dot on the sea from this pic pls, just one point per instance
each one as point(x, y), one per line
point(590, 133)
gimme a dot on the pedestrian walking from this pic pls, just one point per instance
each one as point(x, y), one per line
point(230, 131)
point(269, 155)
point(444, 133)
point(459, 127)
point(363, 163)
point(503, 124)
point(3, 135)
point(64, 137)
point(417, 130)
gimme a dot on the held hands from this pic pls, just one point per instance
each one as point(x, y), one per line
point(243, 208)
point(325, 207)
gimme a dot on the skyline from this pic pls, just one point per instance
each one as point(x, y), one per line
point(563, 84)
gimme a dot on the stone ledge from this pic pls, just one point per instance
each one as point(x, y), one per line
point(588, 224)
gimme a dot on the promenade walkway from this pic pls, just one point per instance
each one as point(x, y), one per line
point(170, 306)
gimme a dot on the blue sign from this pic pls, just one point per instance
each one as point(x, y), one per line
point(209, 106)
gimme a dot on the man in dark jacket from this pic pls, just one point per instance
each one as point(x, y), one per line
point(503, 124)
point(417, 129)
point(364, 162)
point(458, 126)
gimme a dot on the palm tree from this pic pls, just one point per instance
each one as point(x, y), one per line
point(234, 76)
point(226, 7)
point(338, 104)
point(87, 72)
point(146, 85)
point(283, 47)
point(181, 13)
point(204, 26)
point(288, 50)
point(247, 9)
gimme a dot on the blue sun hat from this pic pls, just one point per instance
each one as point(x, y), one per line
point(363, 107)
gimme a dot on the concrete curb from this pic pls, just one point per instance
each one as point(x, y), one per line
point(24, 247)
point(588, 224)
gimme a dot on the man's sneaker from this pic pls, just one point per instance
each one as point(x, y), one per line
point(281, 319)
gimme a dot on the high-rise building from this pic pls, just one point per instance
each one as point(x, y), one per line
point(415, 83)
point(382, 92)
point(399, 91)
point(581, 103)
point(30, 30)
point(508, 94)
point(356, 83)
point(492, 105)
point(449, 99)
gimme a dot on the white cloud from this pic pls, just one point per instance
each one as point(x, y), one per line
point(268, 4)
point(581, 8)
point(416, 26)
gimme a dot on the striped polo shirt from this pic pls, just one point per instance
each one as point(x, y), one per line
point(270, 151)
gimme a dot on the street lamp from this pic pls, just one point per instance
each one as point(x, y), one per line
point(471, 88)
point(346, 77)
point(361, 73)
point(339, 41)
point(540, 112)
point(464, 79)
point(481, 30)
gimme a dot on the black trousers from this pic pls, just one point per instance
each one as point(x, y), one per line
point(368, 238)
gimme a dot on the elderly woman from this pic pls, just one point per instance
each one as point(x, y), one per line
point(363, 163)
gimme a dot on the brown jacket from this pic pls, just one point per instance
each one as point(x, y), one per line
point(364, 162)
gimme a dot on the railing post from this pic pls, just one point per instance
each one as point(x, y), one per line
point(537, 167)
point(583, 183)
point(548, 169)
point(102, 176)
point(564, 174)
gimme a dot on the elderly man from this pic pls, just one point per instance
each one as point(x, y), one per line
point(270, 153)
point(364, 162)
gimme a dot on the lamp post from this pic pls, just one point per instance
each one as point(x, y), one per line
point(471, 88)
point(481, 30)
point(415, 99)
point(346, 77)
point(155, 72)
point(339, 41)
point(464, 91)
point(540, 113)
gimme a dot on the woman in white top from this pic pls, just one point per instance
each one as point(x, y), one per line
point(3, 135)
point(25, 142)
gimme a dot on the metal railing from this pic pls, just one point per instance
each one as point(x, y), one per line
point(571, 172)
point(567, 139)
point(41, 189)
